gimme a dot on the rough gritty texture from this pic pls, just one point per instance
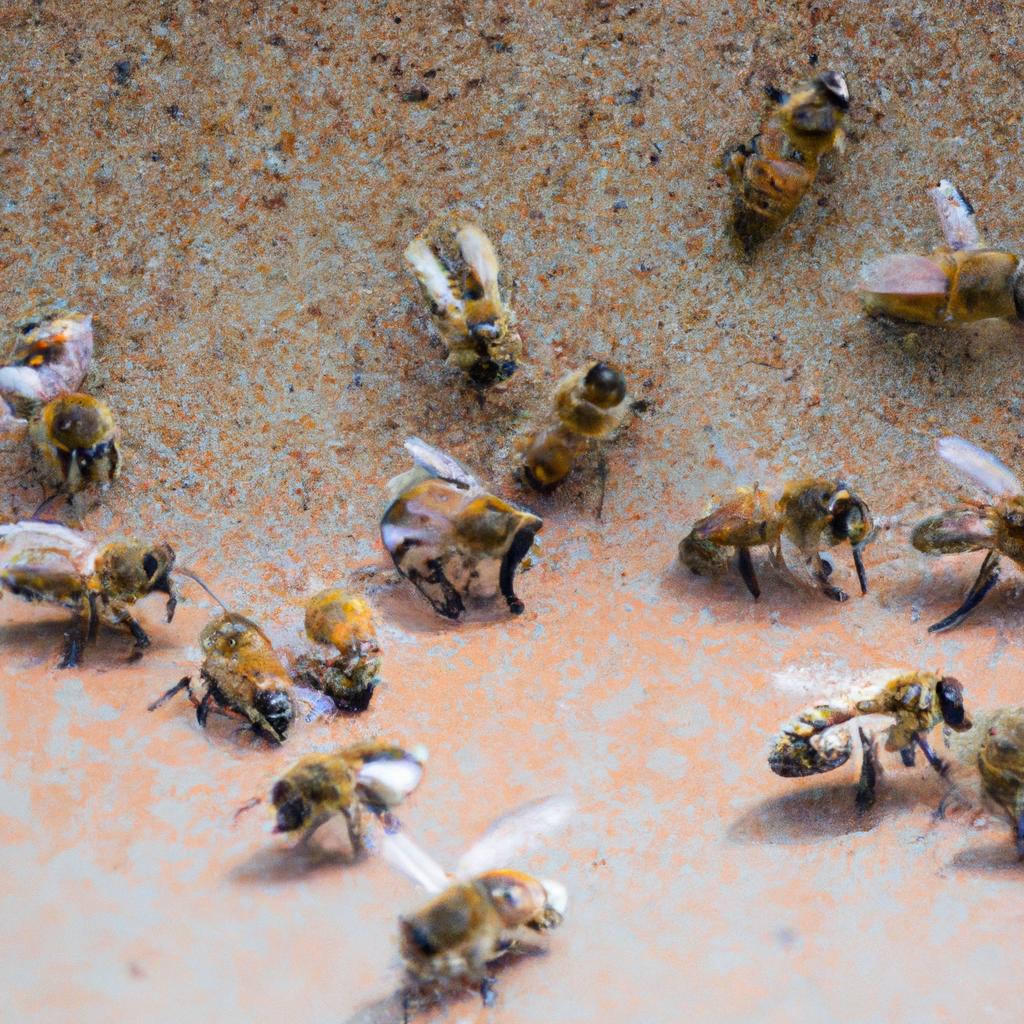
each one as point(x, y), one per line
point(229, 188)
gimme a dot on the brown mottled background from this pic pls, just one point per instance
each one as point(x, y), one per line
point(229, 187)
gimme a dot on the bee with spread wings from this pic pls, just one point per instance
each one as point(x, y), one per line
point(961, 281)
point(451, 538)
point(479, 914)
point(995, 527)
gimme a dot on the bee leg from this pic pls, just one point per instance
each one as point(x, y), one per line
point(858, 563)
point(182, 684)
point(868, 773)
point(487, 993)
point(746, 566)
point(142, 640)
point(46, 501)
point(909, 755)
point(821, 573)
point(354, 821)
point(506, 577)
point(602, 482)
point(942, 767)
point(1020, 835)
point(79, 634)
point(988, 577)
point(203, 708)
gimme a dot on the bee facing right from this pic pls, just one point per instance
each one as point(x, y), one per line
point(959, 282)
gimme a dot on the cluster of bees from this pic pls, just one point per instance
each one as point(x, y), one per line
point(459, 545)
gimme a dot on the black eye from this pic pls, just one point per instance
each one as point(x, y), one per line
point(150, 565)
point(951, 701)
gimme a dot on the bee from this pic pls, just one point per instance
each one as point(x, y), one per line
point(51, 357)
point(50, 563)
point(242, 676)
point(450, 538)
point(346, 622)
point(372, 776)
point(961, 281)
point(1001, 764)
point(771, 173)
point(480, 915)
point(75, 438)
point(460, 282)
point(995, 527)
point(810, 513)
point(817, 740)
point(589, 404)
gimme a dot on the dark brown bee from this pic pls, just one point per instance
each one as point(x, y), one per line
point(372, 775)
point(818, 740)
point(50, 563)
point(810, 514)
point(959, 282)
point(50, 357)
point(589, 404)
point(242, 676)
point(995, 527)
point(772, 173)
point(346, 622)
point(75, 439)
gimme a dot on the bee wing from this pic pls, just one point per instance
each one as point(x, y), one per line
point(53, 358)
point(514, 834)
point(979, 467)
point(436, 463)
point(956, 216)
point(904, 274)
point(432, 276)
point(407, 858)
point(479, 255)
point(318, 705)
point(17, 540)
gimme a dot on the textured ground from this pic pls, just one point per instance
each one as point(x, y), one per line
point(229, 188)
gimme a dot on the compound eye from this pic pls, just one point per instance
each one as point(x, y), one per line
point(150, 565)
point(951, 702)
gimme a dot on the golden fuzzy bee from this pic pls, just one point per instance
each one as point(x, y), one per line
point(75, 439)
point(479, 915)
point(50, 563)
point(459, 274)
point(1001, 764)
point(242, 676)
point(451, 538)
point(346, 622)
point(817, 740)
point(772, 173)
point(50, 357)
point(995, 527)
point(961, 281)
point(589, 404)
point(373, 776)
point(810, 514)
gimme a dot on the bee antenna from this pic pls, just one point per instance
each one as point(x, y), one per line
point(44, 503)
point(195, 579)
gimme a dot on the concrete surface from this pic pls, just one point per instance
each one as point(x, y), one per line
point(228, 187)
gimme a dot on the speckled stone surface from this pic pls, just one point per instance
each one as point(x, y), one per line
point(228, 187)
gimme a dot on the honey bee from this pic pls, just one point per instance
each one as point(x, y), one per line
point(50, 563)
point(450, 538)
point(51, 357)
point(961, 281)
point(817, 740)
point(243, 677)
point(589, 404)
point(372, 776)
point(460, 282)
point(771, 173)
point(346, 622)
point(995, 527)
point(1001, 764)
point(75, 439)
point(810, 513)
point(480, 915)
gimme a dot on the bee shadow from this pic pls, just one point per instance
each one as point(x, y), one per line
point(995, 858)
point(283, 864)
point(821, 812)
point(406, 1004)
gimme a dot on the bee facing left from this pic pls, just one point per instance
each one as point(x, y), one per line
point(459, 273)
point(1001, 764)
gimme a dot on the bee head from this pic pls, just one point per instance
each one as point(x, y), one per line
point(604, 386)
point(277, 708)
point(292, 811)
point(230, 634)
point(416, 938)
point(518, 898)
point(851, 519)
point(836, 91)
point(339, 618)
point(130, 571)
point(951, 704)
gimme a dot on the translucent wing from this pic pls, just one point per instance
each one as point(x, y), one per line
point(29, 541)
point(432, 276)
point(513, 834)
point(51, 358)
point(980, 468)
point(408, 859)
point(436, 463)
point(904, 274)
point(318, 705)
point(956, 216)
point(479, 255)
